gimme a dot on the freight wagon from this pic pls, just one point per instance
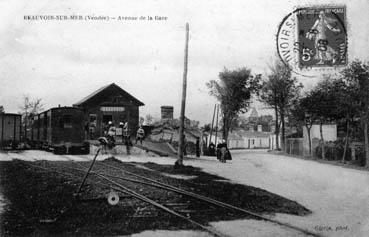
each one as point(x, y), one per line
point(10, 130)
point(61, 130)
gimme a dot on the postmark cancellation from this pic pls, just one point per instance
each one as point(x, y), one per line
point(313, 37)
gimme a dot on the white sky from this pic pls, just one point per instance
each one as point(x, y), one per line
point(64, 61)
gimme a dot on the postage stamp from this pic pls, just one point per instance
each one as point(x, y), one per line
point(313, 37)
point(322, 37)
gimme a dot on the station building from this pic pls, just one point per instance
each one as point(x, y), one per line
point(109, 103)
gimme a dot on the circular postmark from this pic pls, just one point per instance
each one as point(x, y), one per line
point(313, 38)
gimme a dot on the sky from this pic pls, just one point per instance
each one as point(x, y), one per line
point(62, 61)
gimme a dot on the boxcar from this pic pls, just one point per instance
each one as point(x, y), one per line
point(10, 130)
point(61, 130)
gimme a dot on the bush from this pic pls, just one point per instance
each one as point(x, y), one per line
point(333, 151)
point(190, 148)
point(340, 147)
point(360, 155)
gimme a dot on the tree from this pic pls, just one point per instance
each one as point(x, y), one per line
point(207, 127)
point(141, 120)
point(325, 98)
point(357, 75)
point(302, 111)
point(348, 105)
point(344, 101)
point(29, 108)
point(233, 91)
point(278, 91)
point(194, 124)
point(332, 99)
point(2, 110)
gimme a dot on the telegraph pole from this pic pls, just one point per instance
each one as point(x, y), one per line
point(216, 126)
point(179, 161)
point(212, 124)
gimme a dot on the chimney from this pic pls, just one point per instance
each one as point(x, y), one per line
point(166, 112)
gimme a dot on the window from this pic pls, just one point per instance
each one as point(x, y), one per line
point(93, 120)
point(112, 109)
point(67, 121)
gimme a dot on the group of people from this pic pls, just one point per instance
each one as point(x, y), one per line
point(221, 152)
point(110, 133)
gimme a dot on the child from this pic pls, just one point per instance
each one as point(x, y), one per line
point(140, 134)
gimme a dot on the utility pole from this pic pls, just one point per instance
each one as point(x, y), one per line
point(212, 123)
point(179, 161)
point(216, 126)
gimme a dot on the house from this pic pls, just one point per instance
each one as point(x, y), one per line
point(249, 140)
point(235, 141)
point(109, 103)
point(256, 139)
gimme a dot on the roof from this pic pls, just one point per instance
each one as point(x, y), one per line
point(9, 114)
point(238, 134)
point(84, 100)
point(234, 136)
point(166, 107)
point(255, 134)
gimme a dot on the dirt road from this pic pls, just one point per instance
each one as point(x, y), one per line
point(338, 197)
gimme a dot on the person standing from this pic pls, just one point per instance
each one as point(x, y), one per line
point(197, 148)
point(107, 127)
point(127, 138)
point(121, 125)
point(111, 132)
point(221, 151)
point(140, 135)
point(211, 149)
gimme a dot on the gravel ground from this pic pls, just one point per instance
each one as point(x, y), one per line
point(338, 197)
point(36, 197)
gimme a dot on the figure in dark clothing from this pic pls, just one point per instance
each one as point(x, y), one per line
point(222, 151)
point(197, 147)
point(211, 149)
point(110, 135)
point(219, 155)
point(204, 148)
point(184, 145)
point(107, 127)
point(126, 138)
point(128, 144)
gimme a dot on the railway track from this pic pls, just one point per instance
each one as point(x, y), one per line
point(111, 184)
point(111, 181)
